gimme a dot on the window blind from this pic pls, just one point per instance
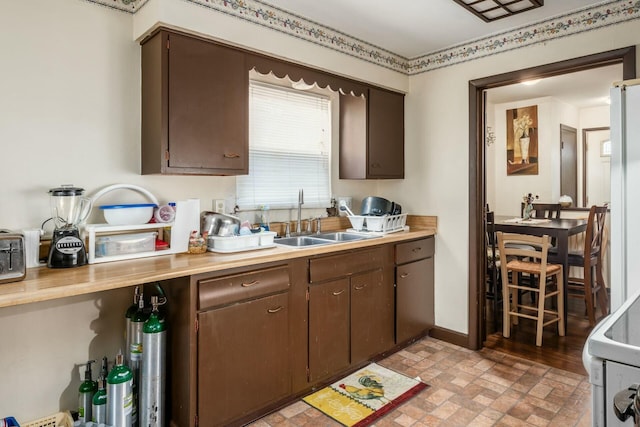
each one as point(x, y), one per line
point(289, 149)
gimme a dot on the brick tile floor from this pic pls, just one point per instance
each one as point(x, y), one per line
point(475, 388)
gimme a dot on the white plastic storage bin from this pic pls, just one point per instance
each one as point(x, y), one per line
point(122, 244)
point(241, 243)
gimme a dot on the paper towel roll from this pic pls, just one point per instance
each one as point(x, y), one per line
point(32, 246)
point(187, 220)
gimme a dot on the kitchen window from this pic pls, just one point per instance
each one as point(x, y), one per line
point(289, 149)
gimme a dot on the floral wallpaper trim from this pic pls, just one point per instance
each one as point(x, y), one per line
point(263, 14)
point(283, 21)
point(588, 19)
point(130, 6)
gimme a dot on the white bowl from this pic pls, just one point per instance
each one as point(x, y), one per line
point(132, 214)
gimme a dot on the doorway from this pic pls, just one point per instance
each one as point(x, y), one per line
point(569, 162)
point(477, 170)
point(596, 164)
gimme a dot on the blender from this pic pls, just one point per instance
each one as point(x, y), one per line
point(68, 209)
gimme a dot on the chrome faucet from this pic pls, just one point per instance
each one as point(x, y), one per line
point(300, 203)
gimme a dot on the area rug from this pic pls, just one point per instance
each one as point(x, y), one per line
point(364, 396)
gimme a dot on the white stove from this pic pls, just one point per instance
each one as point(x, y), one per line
point(612, 359)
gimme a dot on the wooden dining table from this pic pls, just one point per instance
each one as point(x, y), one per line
point(558, 228)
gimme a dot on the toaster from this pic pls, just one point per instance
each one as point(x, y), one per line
point(12, 257)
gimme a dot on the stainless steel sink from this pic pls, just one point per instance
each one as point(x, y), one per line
point(302, 241)
point(320, 239)
point(341, 236)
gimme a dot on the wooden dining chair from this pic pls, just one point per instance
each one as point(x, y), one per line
point(493, 292)
point(591, 286)
point(543, 210)
point(525, 254)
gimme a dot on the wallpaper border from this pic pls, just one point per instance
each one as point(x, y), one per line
point(260, 13)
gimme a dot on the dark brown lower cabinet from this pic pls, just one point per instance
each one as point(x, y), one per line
point(351, 310)
point(371, 315)
point(243, 360)
point(242, 342)
point(328, 328)
point(414, 289)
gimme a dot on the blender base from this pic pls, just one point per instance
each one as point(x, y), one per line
point(67, 250)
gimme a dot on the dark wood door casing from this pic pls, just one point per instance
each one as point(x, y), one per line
point(477, 173)
point(569, 162)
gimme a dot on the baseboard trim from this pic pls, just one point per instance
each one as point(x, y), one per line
point(450, 336)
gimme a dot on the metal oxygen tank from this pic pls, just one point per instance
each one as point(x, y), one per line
point(99, 403)
point(87, 389)
point(119, 394)
point(135, 351)
point(154, 361)
point(128, 315)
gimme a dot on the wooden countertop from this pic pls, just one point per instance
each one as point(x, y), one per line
point(42, 283)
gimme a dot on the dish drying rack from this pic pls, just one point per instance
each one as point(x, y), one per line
point(379, 225)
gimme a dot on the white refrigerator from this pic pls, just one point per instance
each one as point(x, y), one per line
point(611, 355)
point(625, 191)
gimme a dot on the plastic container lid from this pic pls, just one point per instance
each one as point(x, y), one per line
point(66, 190)
point(137, 205)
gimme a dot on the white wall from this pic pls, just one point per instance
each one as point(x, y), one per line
point(505, 192)
point(69, 113)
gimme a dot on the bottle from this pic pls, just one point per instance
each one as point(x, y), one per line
point(152, 377)
point(120, 394)
point(87, 389)
point(128, 315)
point(99, 403)
point(264, 218)
point(135, 351)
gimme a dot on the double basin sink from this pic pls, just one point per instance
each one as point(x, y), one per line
point(321, 239)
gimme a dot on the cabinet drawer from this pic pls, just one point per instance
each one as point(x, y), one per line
point(415, 250)
point(346, 264)
point(230, 289)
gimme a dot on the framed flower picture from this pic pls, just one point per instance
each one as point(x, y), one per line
point(522, 141)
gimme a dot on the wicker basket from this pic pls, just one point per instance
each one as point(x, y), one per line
point(61, 419)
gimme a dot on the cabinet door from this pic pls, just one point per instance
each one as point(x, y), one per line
point(371, 315)
point(328, 328)
point(243, 361)
point(414, 299)
point(208, 104)
point(372, 135)
point(353, 137)
point(386, 134)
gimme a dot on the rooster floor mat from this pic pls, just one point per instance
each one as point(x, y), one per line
point(364, 396)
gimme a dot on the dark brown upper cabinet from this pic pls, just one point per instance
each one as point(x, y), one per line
point(195, 107)
point(372, 135)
